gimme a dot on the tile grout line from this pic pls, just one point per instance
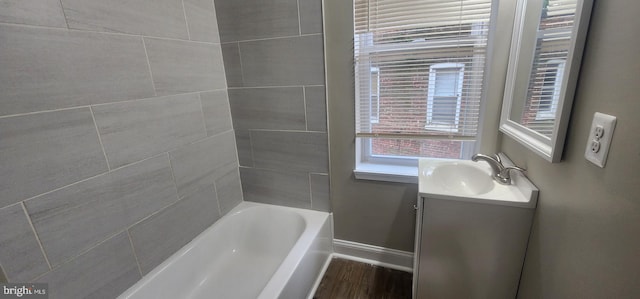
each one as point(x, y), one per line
point(148, 216)
point(184, 12)
point(228, 104)
point(289, 131)
point(224, 67)
point(195, 141)
point(173, 176)
point(146, 54)
point(215, 191)
point(235, 145)
point(241, 67)
point(310, 190)
point(95, 124)
point(64, 14)
point(318, 173)
point(155, 97)
point(200, 140)
point(44, 111)
point(44, 254)
point(215, 15)
point(237, 153)
point(253, 159)
point(135, 255)
point(67, 186)
point(272, 86)
point(240, 180)
point(4, 274)
point(204, 119)
point(271, 38)
point(299, 23)
point(304, 102)
point(284, 170)
point(192, 192)
point(41, 275)
point(108, 33)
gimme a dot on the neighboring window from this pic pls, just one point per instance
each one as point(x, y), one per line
point(374, 95)
point(551, 83)
point(419, 72)
point(444, 96)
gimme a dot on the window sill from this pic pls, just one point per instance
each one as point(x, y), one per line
point(387, 173)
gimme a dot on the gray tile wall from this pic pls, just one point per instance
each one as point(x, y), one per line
point(274, 62)
point(116, 140)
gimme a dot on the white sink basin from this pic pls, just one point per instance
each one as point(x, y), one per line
point(466, 180)
point(463, 178)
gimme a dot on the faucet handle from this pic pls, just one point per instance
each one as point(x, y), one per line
point(515, 168)
point(505, 174)
point(509, 168)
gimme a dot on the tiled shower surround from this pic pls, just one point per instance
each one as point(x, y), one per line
point(116, 139)
point(274, 62)
point(117, 144)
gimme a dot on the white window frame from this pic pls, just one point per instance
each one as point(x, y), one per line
point(404, 169)
point(431, 95)
point(557, 88)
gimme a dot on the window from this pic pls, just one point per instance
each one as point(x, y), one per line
point(443, 101)
point(419, 72)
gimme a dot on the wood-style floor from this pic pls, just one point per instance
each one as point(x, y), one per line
point(347, 279)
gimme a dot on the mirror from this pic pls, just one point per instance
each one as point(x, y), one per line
point(544, 61)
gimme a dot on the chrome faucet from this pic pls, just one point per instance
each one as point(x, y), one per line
point(501, 173)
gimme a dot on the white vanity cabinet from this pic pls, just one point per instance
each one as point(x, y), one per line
point(470, 245)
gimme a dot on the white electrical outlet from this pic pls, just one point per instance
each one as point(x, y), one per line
point(600, 138)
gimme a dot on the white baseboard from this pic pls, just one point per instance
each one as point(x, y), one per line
point(376, 255)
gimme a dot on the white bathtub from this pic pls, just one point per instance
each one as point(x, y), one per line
point(255, 251)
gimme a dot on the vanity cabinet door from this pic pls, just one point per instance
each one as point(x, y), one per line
point(469, 250)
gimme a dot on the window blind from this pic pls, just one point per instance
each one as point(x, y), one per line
point(547, 72)
point(429, 58)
